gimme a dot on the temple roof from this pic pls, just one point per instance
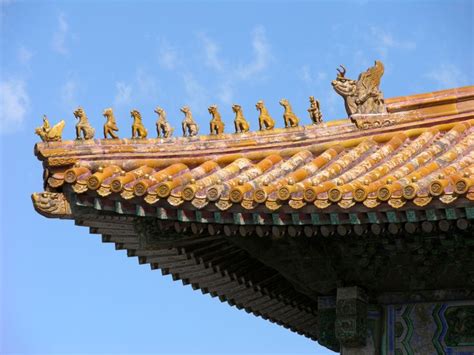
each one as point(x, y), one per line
point(389, 193)
point(418, 153)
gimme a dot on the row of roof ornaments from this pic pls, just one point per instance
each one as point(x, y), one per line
point(360, 96)
point(190, 128)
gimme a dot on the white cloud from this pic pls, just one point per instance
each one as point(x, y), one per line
point(142, 87)
point(261, 52)
point(385, 41)
point(196, 93)
point(124, 93)
point(447, 76)
point(311, 78)
point(14, 105)
point(226, 93)
point(59, 37)
point(211, 50)
point(68, 93)
point(227, 75)
point(146, 85)
point(167, 55)
point(24, 55)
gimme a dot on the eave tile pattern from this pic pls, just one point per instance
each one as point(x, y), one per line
point(435, 165)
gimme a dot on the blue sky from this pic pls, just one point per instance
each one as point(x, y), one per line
point(61, 290)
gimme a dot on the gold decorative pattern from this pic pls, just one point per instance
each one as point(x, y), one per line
point(248, 204)
point(104, 191)
point(396, 202)
point(384, 193)
point(259, 196)
point(199, 202)
point(335, 194)
point(151, 199)
point(346, 203)
point(448, 198)
point(223, 204)
point(371, 202)
point(273, 205)
point(175, 201)
point(422, 201)
point(188, 193)
point(297, 204)
point(323, 203)
point(51, 204)
point(236, 196)
point(79, 188)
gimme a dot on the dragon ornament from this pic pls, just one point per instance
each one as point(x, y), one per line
point(361, 96)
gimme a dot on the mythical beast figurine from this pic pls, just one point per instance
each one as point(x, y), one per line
point(241, 124)
point(48, 134)
point(362, 95)
point(217, 126)
point(163, 127)
point(138, 129)
point(315, 111)
point(83, 126)
point(188, 123)
point(110, 125)
point(291, 120)
point(265, 121)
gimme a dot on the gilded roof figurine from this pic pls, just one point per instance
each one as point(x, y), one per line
point(48, 134)
point(241, 124)
point(163, 127)
point(315, 111)
point(138, 129)
point(217, 126)
point(265, 121)
point(291, 120)
point(110, 125)
point(190, 127)
point(84, 130)
point(362, 95)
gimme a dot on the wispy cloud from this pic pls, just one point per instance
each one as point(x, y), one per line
point(68, 94)
point(385, 41)
point(211, 51)
point(447, 76)
point(227, 74)
point(24, 55)
point(167, 55)
point(14, 105)
point(59, 37)
point(309, 78)
point(196, 93)
point(261, 52)
point(142, 88)
point(123, 95)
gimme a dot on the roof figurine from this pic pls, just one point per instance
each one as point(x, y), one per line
point(163, 127)
point(315, 111)
point(291, 120)
point(265, 121)
point(138, 129)
point(362, 95)
point(217, 126)
point(48, 134)
point(84, 130)
point(241, 124)
point(190, 127)
point(110, 125)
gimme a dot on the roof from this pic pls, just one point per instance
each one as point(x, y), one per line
point(419, 153)
point(390, 194)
